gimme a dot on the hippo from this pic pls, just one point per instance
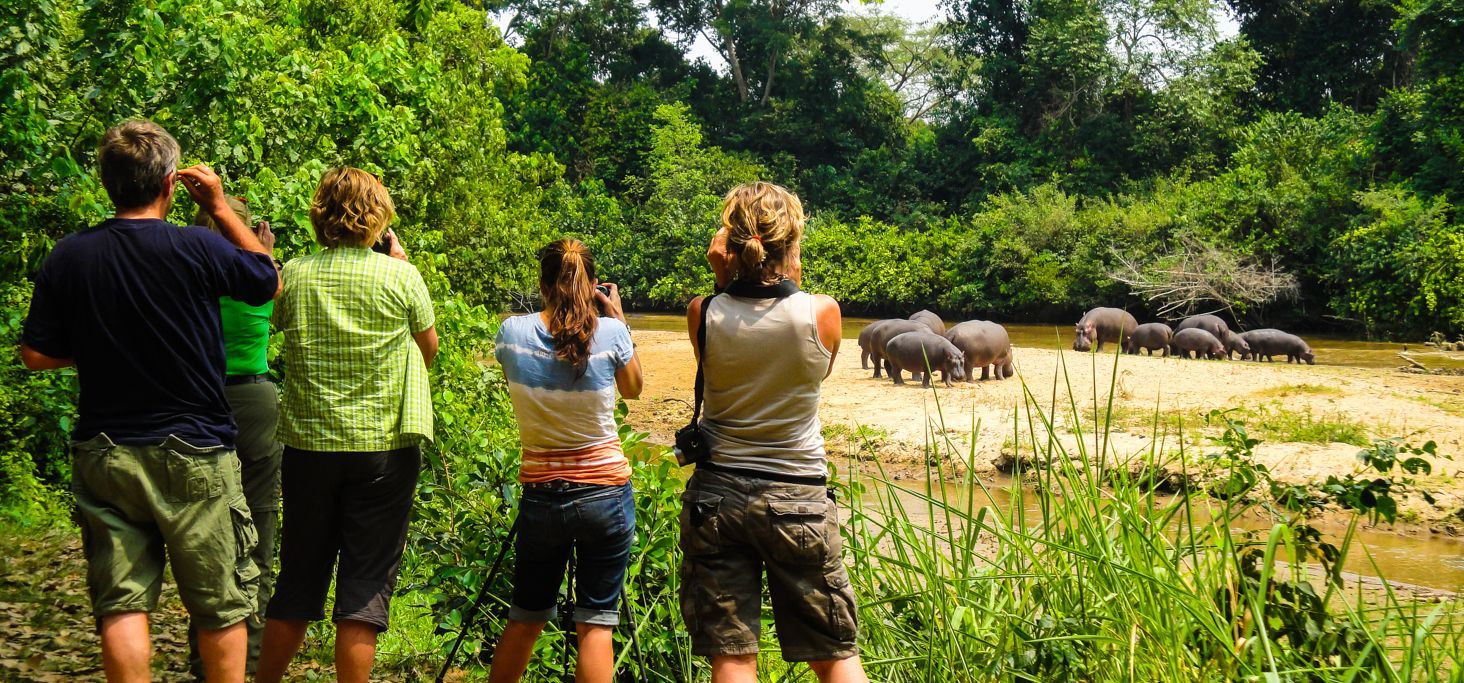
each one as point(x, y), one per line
point(986, 345)
point(1197, 341)
point(1268, 342)
point(1235, 344)
point(866, 344)
point(1148, 337)
point(931, 320)
point(1103, 325)
point(911, 350)
point(882, 335)
point(1209, 323)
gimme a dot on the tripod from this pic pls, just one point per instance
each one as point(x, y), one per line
point(566, 613)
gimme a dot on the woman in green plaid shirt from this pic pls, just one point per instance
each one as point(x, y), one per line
point(359, 337)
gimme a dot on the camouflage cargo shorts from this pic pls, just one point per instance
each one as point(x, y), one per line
point(732, 529)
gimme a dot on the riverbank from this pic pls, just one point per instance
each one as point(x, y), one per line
point(1312, 420)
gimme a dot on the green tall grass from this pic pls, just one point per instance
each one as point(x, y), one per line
point(1103, 579)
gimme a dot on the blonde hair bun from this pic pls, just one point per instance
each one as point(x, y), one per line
point(764, 222)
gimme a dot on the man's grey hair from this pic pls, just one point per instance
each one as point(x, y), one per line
point(135, 159)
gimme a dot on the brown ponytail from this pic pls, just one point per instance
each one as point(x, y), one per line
point(567, 283)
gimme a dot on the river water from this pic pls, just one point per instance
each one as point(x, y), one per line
point(1330, 349)
point(1425, 560)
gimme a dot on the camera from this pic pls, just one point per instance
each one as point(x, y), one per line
point(603, 289)
point(382, 246)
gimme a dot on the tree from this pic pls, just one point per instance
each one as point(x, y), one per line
point(747, 33)
point(1315, 52)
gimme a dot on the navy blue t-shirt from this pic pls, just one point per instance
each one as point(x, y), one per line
point(135, 302)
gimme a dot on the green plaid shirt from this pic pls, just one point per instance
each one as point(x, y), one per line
point(354, 377)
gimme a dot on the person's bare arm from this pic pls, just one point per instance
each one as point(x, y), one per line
point(207, 191)
point(35, 360)
point(830, 326)
point(693, 323)
point(628, 379)
point(719, 259)
point(427, 343)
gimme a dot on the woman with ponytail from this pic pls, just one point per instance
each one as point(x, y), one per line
point(563, 366)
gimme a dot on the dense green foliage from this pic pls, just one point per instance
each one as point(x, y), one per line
point(1006, 162)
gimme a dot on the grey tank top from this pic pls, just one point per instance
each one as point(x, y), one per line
point(764, 363)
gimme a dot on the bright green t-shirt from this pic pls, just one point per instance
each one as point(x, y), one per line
point(246, 336)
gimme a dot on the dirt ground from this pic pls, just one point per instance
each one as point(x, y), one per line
point(896, 421)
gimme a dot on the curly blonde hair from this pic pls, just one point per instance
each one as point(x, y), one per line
point(764, 224)
point(351, 208)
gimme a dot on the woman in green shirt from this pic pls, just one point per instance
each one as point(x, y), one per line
point(359, 335)
point(253, 398)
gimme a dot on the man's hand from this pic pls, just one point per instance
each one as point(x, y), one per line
point(610, 305)
point(719, 259)
point(265, 236)
point(394, 245)
point(205, 187)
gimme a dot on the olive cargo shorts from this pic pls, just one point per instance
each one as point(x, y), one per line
point(141, 506)
point(735, 527)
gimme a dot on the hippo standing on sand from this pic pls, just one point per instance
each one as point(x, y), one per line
point(1103, 325)
point(881, 335)
point(1235, 344)
point(1268, 342)
point(911, 350)
point(1149, 337)
point(1209, 323)
point(931, 320)
point(986, 345)
point(866, 343)
point(1197, 341)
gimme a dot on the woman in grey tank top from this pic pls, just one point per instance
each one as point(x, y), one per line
point(760, 502)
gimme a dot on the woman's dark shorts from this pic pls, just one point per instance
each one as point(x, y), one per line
point(346, 508)
point(735, 527)
point(597, 523)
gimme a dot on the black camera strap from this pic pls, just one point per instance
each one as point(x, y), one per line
point(701, 345)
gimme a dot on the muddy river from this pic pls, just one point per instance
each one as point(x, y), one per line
point(1330, 349)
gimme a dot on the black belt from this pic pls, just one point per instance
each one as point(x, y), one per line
point(560, 485)
point(236, 380)
point(759, 474)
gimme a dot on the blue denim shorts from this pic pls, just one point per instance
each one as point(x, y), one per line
point(595, 524)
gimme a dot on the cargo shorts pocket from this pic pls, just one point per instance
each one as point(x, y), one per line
point(192, 473)
point(798, 531)
point(700, 522)
point(246, 537)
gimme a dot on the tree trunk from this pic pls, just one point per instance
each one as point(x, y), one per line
point(735, 64)
point(768, 84)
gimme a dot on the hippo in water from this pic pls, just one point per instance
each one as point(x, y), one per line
point(1209, 323)
point(1235, 344)
point(1149, 337)
point(986, 345)
point(866, 343)
point(1197, 341)
point(931, 320)
point(1268, 342)
point(884, 332)
point(911, 350)
point(1102, 325)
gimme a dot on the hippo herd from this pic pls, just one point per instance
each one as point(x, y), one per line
point(908, 344)
point(1199, 336)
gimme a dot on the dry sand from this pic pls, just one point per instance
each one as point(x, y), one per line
point(899, 419)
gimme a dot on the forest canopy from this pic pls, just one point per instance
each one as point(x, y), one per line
point(1013, 159)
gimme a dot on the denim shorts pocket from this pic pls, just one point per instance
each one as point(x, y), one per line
point(608, 513)
point(798, 531)
point(193, 472)
point(700, 522)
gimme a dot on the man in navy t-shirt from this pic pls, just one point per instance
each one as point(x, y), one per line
point(133, 303)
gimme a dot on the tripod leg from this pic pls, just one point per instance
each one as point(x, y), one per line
point(471, 617)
